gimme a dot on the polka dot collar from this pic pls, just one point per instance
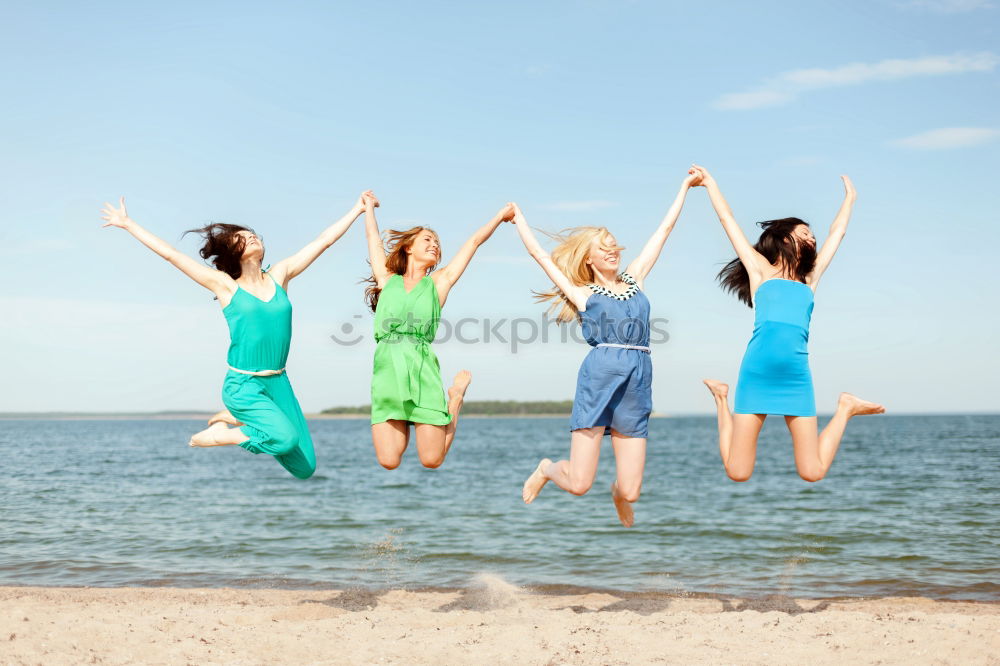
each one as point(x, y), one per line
point(629, 293)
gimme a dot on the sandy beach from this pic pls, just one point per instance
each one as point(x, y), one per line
point(490, 623)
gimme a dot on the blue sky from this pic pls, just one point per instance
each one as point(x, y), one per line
point(583, 112)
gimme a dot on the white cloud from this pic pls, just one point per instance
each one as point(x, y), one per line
point(946, 6)
point(752, 100)
point(579, 206)
point(889, 70)
point(788, 85)
point(948, 137)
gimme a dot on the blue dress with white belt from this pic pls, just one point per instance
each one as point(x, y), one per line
point(614, 385)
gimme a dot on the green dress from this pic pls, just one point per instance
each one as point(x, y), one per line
point(260, 333)
point(406, 379)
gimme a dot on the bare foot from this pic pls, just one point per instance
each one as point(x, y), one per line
point(224, 417)
point(460, 385)
point(535, 482)
point(210, 436)
point(718, 389)
point(855, 406)
point(624, 508)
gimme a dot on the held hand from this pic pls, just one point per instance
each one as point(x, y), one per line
point(849, 188)
point(694, 178)
point(367, 200)
point(704, 177)
point(116, 217)
point(506, 213)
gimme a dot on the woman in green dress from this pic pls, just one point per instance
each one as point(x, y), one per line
point(406, 294)
point(260, 404)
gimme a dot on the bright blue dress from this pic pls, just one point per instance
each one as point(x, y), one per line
point(614, 385)
point(774, 375)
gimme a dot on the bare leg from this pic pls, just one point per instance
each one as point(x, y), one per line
point(576, 475)
point(434, 441)
point(630, 461)
point(814, 453)
point(224, 417)
point(737, 434)
point(218, 434)
point(390, 439)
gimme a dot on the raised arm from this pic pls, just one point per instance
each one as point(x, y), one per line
point(641, 265)
point(837, 231)
point(288, 268)
point(215, 281)
point(753, 260)
point(446, 277)
point(575, 293)
point(376, 251)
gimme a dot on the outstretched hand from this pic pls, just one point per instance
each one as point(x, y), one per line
point(849, 190)
point(115, 217)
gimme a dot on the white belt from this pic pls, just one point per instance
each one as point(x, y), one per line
point(612, 344)
point(261, 373)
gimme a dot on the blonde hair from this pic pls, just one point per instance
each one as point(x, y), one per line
point(570, 256)
point(396, 258)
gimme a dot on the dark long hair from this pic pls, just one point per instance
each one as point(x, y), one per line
point(396, 258)
point(223, 246)
point(778, 246)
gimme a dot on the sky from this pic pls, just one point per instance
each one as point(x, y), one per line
point(277, 115)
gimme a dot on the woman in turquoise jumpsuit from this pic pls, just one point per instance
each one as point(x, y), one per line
point(260, 404)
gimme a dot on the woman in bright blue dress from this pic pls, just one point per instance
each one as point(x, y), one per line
point(614, 384)
point(777, 277)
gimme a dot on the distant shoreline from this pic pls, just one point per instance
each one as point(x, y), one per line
point(195, 416)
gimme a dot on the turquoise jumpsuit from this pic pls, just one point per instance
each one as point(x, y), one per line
point(259, 336)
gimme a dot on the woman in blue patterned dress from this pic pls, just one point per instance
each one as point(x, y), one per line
point(778, 277)
point(613, 390)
